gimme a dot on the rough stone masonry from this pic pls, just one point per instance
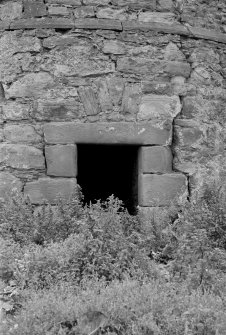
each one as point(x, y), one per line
point(147, 72)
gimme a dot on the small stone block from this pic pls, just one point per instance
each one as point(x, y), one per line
point(89, 100)
point(8, 184)
point(155, 159)
point(50, 190)
point(61, 160)
point(162, 190)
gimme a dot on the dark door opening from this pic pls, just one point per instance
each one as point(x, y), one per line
point(104, 170)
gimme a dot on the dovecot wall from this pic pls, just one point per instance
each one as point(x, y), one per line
point(149, 73)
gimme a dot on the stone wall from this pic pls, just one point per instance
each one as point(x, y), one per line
point(147, 72)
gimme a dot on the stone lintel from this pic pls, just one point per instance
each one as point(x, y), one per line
point(50, 189)
point(147, 133)
point(162, 190)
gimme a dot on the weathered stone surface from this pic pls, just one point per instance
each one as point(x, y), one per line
point(207, 34)
point(165, 5)
point(22, 133)
point(57, 109)
point(89, 100)
point(77, 60)
point(156, 17)
point(104, 24)
point(158, 107)
point(42, 23)
point(204, 110)
point(9, 184)
point(20, 156)
point(96, 2)
point(48, 189)
point(104, 97)
point(84, 11)
point(189, 137)
point(61, 160)
point(34, 9)
point(15, 111)
point(108, 133)
point(11, 10)
point(131, 99)
point(11, 62)
point(116, 88)
point(146, 67)
point(134, 4)
point(58, 10)
point(65, 2)
point(110, 13)
point(155, 159)
point(173, 53)
point(162, 190)
point(4, 25)
point(31, 85)
point(59, 41)
point(114, 47)
point(164, 27)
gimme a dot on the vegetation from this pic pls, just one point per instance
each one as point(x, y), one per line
point(160, 278)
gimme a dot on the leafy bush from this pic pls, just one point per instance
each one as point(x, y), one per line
point(132, 308)
point(74, 241)
point(199, 235)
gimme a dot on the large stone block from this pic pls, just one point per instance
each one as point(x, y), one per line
point(147, 67)
point(48, 189)
point(109, 13)
point(108, 133)
point(61, 160)
point(15, 111)
point(9, 184)
point(155, 159)
point(158, 107)
point(162, 190)
point(57, 109)
point(14, 54)
point(34, 8)
point(20, 156)
point(31, 85)
point(189, 136)
point(11, 10)
point(156, 17)
point(21, 133)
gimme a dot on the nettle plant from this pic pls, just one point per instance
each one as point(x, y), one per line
point(199, 254)
point(71, 240)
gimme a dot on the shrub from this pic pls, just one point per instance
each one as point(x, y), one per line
point(132, 308)
point(74, 241)
point(199, 253)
